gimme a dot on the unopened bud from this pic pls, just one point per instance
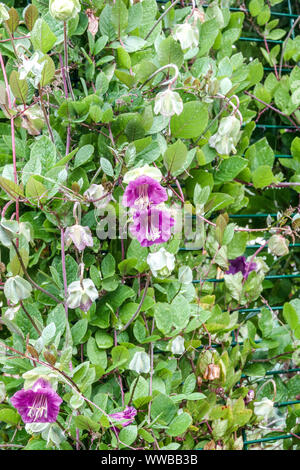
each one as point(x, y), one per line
point(212, 372)
point(32, 351)
point(50, 358)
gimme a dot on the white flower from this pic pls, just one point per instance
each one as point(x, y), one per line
point(4, 15)
point(227, 136)
point(140, 363)
point(161, 263)
point(82, 294)
point(80, 236)
point(145, 170)
point(31, 69)
point(187, 35)
point(64, 10)
point(16, 288)
point(185, 275)
point(98, 196)
point(168, 103)
point(264, 408)
point(177, 345)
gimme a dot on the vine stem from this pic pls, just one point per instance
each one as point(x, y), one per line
point(45, 115)
point(13, 141)
point(168, 82)
point(139, 306)
point(160, 19)
point(67, 60)
point(32, 282)
point(285, 44)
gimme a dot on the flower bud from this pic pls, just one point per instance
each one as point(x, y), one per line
point(161, 263)
point(187, 34)
point(140, 363)
point(33, 120)
point(249, 397)
point(278, 245)
point(4, 15)
point(185, 275)
point(264, 408)
point(82, 294)
point(16, 288)
point(64, 10)
point(168, 103)
point(212, 372)
point(177, 345)
point(98, 196)
point(227, 136)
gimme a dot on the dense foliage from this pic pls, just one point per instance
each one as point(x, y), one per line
point(150, 174)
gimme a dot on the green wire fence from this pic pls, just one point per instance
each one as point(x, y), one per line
point(254, 311)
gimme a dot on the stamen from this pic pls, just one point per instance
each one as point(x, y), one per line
point(39, 408)
point(142, 200)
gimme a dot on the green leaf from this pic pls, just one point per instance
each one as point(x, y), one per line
point(18, 87)
point(169, 52)
point(31, 15)
point(229, 169)
point(128, 435)
point(48, 71)
point(42, 37)
point(179, 425)
point(119, 17)
point(83, 155)
point(106, 166)
point(175, 156)
point(103, 340)
point(263, 176)
point(191, 122)
point(9, 416)
point(95, 355)
point(163, 409)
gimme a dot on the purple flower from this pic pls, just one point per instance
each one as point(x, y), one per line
point(39, 404)
point(142, 192)
point(128, 415)
point(152, 226)
point(241, 265)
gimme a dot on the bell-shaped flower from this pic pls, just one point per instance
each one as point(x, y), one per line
point(31, 69)
point(32, 119)
point(177, 345)
point(161, 263)
point(140, 363)
point(16, 288)
point(187, 34)
point(4, 15)
point(39, 404)
point(125, 417)
point(82, 294)
point(278, 245)
point(80, 236)
point(264, 408)
point(227, 136)
point(168, 103)
point(143, 192)
point(145, 170)
point(64, 10)
point(240, 264)
point(152, 226)
point(98, 196)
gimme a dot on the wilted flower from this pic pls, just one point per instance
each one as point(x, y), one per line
point(187, 34)
point(278, 245)
point(32, 119)
point(227, 136)
point(145, 170)
point(177, 345)
point(152, 226)
point(125, 417)
point(39, 404)
point(264, 408)
point(98, 196)
point(31, 69)
point(16, 288)
point(4, 15)
point(142, 192)
point(80, 236)
point(64, 10)
point(11, 312)
point(212, 372)
point(161, 262)
point(140, 363)
point(249, 397)
point(240, 264)
point(168, 103)
point(82, 294)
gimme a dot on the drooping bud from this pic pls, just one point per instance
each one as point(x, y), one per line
point(177, 345)
point(212, 372)
point(278, 245)
point(161, 263)
point(168, 103)
point(16, 288)
point(140, 363)
point(64, 10)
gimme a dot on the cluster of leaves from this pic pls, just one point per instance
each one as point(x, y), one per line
point(59, 136)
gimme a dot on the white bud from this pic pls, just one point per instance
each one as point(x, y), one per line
point(264, 408)
point(185, 275)
point(168, 103)
point(187, 34)
point(140, 363)
point(98, 196)
point(82, 294)
point(161, 263)
point(177, 345)
point(64, 10)
point(16, 288)
point(145, 170)
point(278, 245)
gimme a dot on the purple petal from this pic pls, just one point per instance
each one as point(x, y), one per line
point(152, 226)
point(143, 192)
